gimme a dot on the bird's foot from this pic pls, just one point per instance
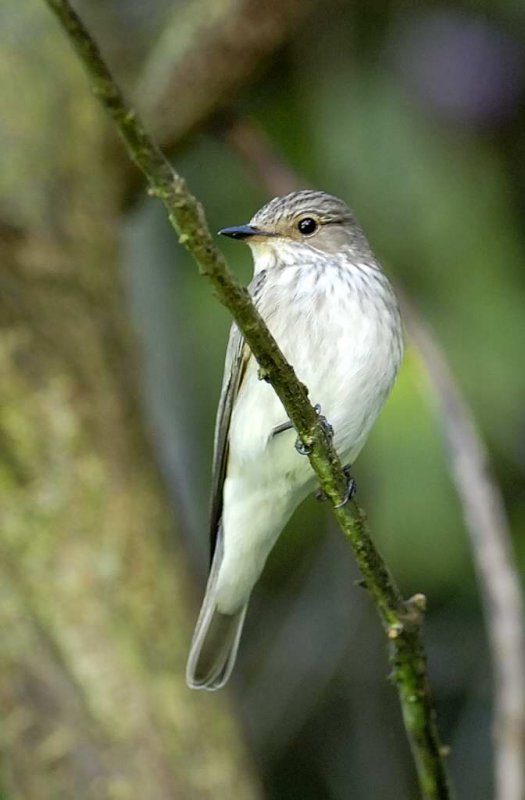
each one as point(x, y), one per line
point(324, 422)
point(351, 489)
point(305, 449)
point(302, 449)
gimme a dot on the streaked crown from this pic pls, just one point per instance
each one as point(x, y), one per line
point(324, 207)
point(319, 219)
point(312, 219)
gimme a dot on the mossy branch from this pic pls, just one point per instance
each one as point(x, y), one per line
point(401, 620)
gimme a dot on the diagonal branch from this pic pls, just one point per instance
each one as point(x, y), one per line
point(190, 66)
point(207, 51)
point(401, 620)
point(491, 542)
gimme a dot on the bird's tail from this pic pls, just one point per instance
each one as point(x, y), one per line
point(216, 638)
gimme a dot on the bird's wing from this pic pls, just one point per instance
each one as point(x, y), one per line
point(237, 358)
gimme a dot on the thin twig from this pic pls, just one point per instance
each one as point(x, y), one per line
point(189, 68)
point(402, 620)
point(480, 496)
point(250, 142)
point(498, 576)
point(194, 54)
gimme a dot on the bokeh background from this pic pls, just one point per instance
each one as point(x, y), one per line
point(111, 353)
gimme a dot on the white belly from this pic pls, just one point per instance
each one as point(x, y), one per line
point(343, 350)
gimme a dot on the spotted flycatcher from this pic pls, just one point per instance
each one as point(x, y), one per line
point(335, 317)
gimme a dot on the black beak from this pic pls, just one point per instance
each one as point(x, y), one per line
point(243, 232)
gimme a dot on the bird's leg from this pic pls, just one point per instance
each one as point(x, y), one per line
point(301, 448)
point(284, 426)
point(351, 488)
point(304, 449)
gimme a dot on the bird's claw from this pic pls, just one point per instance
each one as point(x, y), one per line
point(305, 449)
point(302, 449)
point(351, 489)
point(324, 422)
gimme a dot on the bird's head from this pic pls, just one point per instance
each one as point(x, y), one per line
point(302, 221)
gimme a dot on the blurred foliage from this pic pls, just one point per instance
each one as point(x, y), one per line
point(370, 101)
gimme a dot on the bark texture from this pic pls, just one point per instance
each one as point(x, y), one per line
point(95, 606)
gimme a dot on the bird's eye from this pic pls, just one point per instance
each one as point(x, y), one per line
point(307, 226)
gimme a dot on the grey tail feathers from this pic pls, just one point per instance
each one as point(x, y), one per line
point(216, 638)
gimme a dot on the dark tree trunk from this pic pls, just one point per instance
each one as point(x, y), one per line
point(95, 605)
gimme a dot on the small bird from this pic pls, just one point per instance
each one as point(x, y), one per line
point(335, 317)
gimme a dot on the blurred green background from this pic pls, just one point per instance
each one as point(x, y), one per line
point(414, 114)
